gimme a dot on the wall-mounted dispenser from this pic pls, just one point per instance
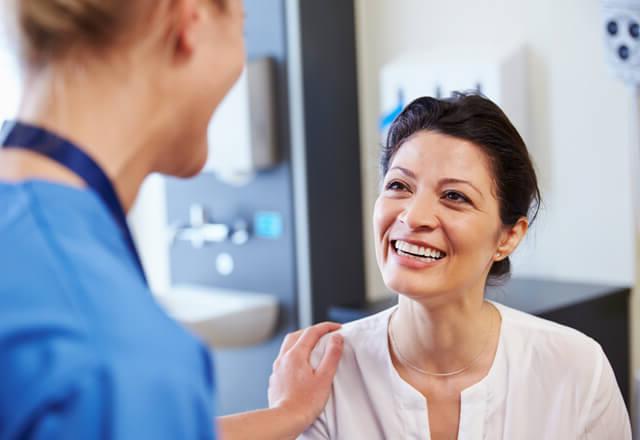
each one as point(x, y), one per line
point(242, 133)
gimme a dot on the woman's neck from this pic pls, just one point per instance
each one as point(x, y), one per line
point(109, 118)
point(444, 337)
point(20, 165)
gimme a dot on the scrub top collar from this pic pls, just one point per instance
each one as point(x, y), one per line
point(19, 135)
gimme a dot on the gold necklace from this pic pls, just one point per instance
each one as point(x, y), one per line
point(406, 362)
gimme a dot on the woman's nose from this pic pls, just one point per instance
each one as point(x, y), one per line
point(420, 213)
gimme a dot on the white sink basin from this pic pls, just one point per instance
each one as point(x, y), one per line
point(222, 318)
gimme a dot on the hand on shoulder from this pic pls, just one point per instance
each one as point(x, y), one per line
point(294, 384)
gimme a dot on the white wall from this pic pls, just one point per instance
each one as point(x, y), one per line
point(581, 123)
point(149, 227)
point(9, 82)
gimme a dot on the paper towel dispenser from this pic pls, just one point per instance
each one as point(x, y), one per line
point(242, 132)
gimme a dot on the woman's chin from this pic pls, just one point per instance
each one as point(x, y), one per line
point(185, 172)
point(414, 289)
point(194, 170)
point(191, 168)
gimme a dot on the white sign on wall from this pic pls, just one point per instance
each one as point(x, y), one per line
point(497, 72)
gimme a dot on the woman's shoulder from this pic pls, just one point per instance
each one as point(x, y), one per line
point(548, 342)
point(564, 366)
point(366, 336)
point(520, 321)
point(368, 331)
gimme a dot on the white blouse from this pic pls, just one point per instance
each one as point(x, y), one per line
point(547, 381)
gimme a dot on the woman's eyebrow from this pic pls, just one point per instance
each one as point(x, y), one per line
point(405, 171)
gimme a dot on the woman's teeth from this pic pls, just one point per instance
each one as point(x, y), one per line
point(417, 252)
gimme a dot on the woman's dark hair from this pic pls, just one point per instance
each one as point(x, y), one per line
point(475, 118)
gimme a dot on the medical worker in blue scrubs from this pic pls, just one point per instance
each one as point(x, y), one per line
point(116, 90)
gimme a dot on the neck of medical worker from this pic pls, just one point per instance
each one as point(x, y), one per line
point(442, 335)
point(109, 116)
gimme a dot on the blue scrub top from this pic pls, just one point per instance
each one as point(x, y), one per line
point(85, 351)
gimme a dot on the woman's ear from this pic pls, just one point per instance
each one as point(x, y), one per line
point(510, 238)
point(188, 14)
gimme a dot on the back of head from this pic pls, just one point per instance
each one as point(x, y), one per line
point(50, 30)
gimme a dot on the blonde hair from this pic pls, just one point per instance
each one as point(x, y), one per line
point(49, 29)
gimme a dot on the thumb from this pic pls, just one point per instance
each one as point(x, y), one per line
point(329, 363)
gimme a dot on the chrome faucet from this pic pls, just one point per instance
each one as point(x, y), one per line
point(201, 230)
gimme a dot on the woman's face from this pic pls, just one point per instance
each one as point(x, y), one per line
point(436, 221)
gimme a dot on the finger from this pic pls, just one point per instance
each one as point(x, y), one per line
point(329, 362)
point(289, 341)
point(312, 335)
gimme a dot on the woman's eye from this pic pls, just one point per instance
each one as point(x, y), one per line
point(396, 186)
point(455, 196)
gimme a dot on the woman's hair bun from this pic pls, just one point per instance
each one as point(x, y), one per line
point(47, 29)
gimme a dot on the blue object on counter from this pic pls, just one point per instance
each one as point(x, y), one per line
point(268, 225)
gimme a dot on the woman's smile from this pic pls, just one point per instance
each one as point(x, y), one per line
point(415, 254)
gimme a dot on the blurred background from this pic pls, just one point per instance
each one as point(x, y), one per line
point(276, 233)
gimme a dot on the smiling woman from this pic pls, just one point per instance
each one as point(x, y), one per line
point(458, 195)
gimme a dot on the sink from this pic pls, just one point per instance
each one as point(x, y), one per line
point(223, 318)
